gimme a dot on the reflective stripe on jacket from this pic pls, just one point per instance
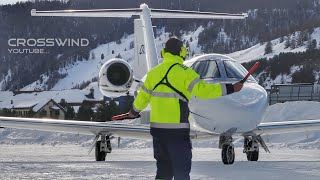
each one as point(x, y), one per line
point(169, 109)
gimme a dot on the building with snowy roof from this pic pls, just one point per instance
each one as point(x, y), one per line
point(46, 103)
point(42, 109)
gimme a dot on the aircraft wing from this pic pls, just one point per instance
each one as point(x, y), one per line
point(288, 127)
point(77, 127)
point(134, 131)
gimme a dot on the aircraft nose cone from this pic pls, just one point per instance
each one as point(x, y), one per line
point(243, 110)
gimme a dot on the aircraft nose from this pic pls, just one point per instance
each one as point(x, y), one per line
point(242, 110)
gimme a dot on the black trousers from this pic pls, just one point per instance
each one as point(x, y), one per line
point(173, 157)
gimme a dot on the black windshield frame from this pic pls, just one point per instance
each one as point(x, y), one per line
point(202, 67)
point(235, 70)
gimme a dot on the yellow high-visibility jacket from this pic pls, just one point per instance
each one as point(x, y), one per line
point(169, 108)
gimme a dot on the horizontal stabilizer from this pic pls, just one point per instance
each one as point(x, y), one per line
point(123, 13)
point(165, 13)
point(127, 13)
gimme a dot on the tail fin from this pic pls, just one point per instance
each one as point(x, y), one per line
point(140, 67)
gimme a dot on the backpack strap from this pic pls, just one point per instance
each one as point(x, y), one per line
point(166, 82)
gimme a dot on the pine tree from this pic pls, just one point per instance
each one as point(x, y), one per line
point(293, 43)
point(85, 113)
point(93, 56)
point(102, 56)
point(112, 110)
point(281, 39)
point(101, 114)
point(7, 112)
point(268, 48)
point(70, 113)
point(312, 44)
point(287, 42)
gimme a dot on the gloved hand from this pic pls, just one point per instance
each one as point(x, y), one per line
point(132, 115)
point(237, 86)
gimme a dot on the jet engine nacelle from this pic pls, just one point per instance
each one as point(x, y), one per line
point(115, 77)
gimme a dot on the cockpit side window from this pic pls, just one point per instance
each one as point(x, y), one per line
point(235, 70)
point(206, 69)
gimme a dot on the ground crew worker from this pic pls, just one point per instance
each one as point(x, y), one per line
point(168, 88)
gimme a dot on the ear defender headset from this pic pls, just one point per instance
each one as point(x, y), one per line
point(163, 51)
point(175, 47)
point(183, 52)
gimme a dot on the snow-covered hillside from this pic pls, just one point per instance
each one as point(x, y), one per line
point(85, 70)
point(258, 51)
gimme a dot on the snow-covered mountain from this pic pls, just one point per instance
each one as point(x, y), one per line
point(257, 51)
point(87, 70)
point(81, 73)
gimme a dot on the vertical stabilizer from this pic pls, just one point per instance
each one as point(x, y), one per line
point(140, 66)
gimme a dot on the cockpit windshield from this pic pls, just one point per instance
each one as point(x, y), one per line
point(207, 69)
point(235, 70)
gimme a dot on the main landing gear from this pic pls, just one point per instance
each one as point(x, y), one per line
point(251, 146)
point(102, 148)
point(227, 147)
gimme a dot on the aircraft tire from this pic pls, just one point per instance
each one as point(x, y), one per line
point(253, 155)
point(227, 154)
point(100, 155)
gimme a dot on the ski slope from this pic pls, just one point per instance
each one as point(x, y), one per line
point(87, 69)
point(258, 51)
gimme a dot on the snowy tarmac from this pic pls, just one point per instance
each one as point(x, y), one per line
point(73, 162)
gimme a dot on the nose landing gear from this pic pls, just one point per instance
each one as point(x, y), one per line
point(251, 147)
point(102, 147)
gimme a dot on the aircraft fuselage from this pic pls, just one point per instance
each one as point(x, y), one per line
point(242, 111)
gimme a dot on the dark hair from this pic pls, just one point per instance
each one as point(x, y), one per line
point(173, 46)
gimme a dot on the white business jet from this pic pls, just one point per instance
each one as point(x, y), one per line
point(236, 115)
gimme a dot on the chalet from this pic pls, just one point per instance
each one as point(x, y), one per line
point(45, 103)
point(42, 109)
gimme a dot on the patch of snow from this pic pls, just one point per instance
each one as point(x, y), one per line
point(85, 70)
point(258, 51)
point(71, 162)
point(37, 85)
point(295, 68)
point(291, 111)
